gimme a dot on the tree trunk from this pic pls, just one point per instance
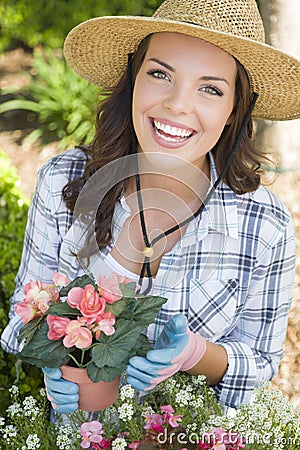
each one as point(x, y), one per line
point(281, 140)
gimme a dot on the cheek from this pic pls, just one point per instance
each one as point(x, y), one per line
point(217, 118)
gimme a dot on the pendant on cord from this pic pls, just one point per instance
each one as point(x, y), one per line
point(148, 252)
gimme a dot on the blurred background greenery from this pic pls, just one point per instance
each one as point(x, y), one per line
point(46, 22)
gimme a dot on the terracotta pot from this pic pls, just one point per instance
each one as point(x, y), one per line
point(92, 396)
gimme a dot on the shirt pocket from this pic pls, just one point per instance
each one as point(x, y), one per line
point(212, 307)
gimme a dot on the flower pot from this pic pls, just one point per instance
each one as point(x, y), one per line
point(92, 396)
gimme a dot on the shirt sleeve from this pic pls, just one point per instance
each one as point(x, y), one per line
point(48, 218)
point(255, 346)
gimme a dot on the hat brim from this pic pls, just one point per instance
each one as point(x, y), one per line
point(97, 51)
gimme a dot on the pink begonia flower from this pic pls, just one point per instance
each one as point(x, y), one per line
point(120, 279)
point(35, 290)
point(91, 305)
point(219, 446)
point(27, 312)
point(60, 280)
point(134, 445)
point(42, 305)
point(57, 327)
point(228, 438)
point(169, 418)
point(91, 433)
point(109, 289)
point(106, 443)
point(77, 335)
point(74, 297)
point(105, 323)
point(154, 422)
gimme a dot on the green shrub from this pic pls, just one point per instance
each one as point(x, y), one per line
point(13, 216)
point(47, 22)
point(64, 103)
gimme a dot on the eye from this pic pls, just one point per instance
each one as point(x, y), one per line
point(212, 90)
point(158, 73)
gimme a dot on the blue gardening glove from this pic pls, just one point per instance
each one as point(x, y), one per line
point(62, 394)
point(177, 348)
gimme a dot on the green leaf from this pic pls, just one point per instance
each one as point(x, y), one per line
point(112, 350)
point(20, 104)
point(143, 346)
point(105, 373)
point(119, 306)
point(29, 329)
point(63, 309)
point(42, 352)
point(128, 290)
point(82, 281)
point(144, 309)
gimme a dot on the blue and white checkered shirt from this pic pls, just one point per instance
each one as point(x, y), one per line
point(231, 274)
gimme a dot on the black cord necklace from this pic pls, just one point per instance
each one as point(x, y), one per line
point(148, 250)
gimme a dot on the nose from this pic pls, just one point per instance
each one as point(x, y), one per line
point(178, 100)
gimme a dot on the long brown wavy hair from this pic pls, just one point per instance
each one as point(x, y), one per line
point(113, 139)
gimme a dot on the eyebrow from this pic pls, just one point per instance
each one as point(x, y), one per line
point(205, 77)
point(162, 63)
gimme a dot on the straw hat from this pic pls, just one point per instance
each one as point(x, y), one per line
point(97, 49)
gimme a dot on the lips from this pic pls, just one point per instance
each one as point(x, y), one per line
point(171, 133)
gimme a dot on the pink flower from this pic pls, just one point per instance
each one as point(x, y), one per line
point(120, 279)
point(37, 290)
point(57, 327)
point(74, 297)
point(27, 312)
point(154, 422)
point(169, 418)
point(77, 334)
point(109, 289)
point(33, 288)
point(105, 323)
point(91, 433)
point(106, 443)
point(134, 444)
point(60, 279)
point(91, 305)
point(42, 304)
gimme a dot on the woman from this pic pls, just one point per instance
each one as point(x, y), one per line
point(177, 121)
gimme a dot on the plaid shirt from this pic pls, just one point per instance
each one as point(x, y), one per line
point(231, 274)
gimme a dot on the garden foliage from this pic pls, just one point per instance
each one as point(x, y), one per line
point(64, 103)
point(47, 22)
point(13, 216)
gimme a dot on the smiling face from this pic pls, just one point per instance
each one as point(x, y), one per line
point(183, 96)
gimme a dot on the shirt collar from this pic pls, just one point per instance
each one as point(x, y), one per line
point(220, 214)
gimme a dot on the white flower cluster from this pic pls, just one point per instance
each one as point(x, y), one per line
point(14, 410)
point(126, 392)
point(33, 442)
point(65, 437)
point(119, 444)
point(269, 420)
point(14, 390)
point(126, 411)
point(8, 432)
point(30, 407)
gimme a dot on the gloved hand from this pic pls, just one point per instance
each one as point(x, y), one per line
point(62, 394)
point(177, 348)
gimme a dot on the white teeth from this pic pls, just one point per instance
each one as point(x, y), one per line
point(172, 131)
